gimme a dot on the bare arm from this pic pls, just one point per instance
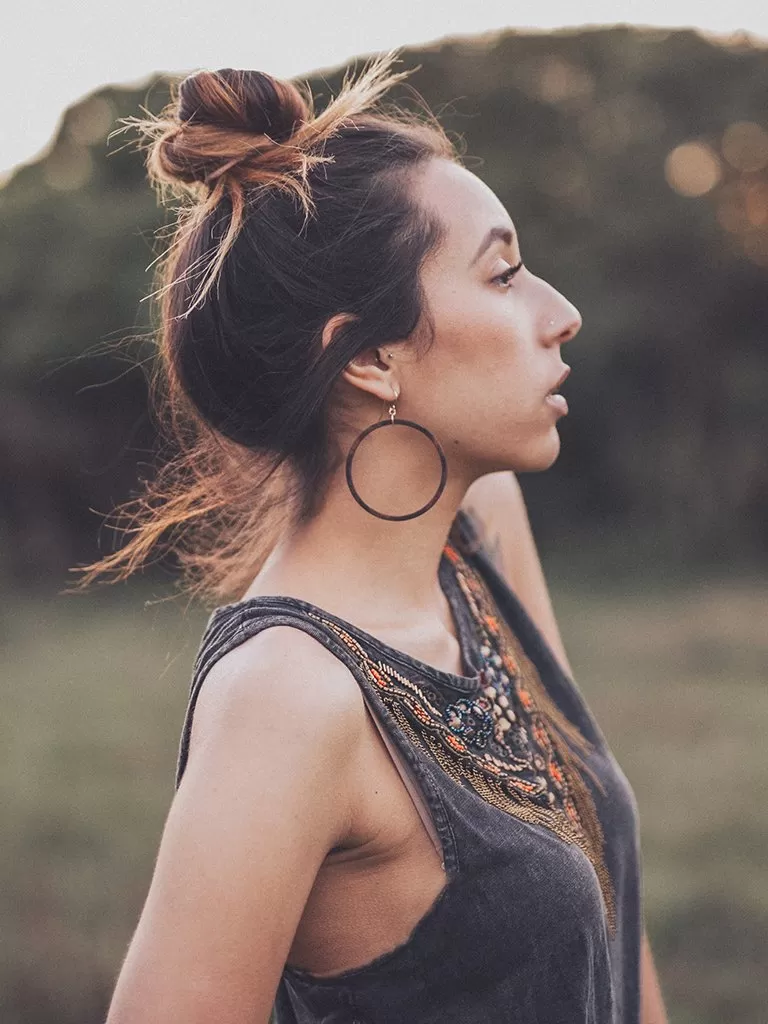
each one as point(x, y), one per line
point(651, 1000)
point(497, 507)
point(263, 798)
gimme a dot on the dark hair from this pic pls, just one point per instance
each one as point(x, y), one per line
point(293, 218)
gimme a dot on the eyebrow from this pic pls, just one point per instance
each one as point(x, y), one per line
point(502, 232)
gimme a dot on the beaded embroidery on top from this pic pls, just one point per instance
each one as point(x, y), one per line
point(510, 742)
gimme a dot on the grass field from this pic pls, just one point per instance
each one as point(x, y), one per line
point(94, 690)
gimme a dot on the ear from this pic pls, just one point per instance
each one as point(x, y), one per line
point(371, 369)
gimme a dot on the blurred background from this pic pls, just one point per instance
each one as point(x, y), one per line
point(634, 162)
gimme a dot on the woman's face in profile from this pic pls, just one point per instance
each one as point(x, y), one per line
point(483, 384)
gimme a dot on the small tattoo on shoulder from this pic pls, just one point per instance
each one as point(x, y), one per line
point(490, 542)
point(493, 546)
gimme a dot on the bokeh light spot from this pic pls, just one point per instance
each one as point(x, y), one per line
point(692, 169)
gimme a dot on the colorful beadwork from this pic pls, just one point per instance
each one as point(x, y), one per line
point(509, 742)
point(470, 719)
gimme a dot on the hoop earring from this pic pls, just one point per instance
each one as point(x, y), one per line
point(405, 423)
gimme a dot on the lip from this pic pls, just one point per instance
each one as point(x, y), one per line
point(561, 379)
point(557, 402)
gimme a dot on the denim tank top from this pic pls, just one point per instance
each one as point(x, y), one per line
point(536, 824)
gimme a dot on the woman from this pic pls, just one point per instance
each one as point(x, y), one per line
point(393, 804)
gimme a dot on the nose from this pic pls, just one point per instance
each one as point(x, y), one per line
point(565, 327)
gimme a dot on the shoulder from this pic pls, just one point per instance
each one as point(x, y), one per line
point(283, 662)
point(493, 491)
point(280, 693)
point(497, 510)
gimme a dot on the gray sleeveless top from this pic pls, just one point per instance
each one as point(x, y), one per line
point(536, 824)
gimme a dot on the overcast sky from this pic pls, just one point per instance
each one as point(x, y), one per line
point(53, 53)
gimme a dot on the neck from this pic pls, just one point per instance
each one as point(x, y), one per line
point(350, 561)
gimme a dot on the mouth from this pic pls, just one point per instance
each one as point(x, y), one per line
point(553, 396)
point(561, 380)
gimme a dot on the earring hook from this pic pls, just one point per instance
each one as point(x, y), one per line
point(393, 408)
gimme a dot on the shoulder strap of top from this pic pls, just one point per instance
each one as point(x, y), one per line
point(228, 627)
point(231, 625)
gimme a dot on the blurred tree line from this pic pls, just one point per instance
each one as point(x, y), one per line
point(635, 165)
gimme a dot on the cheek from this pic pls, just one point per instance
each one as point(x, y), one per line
point(481, 358)
point(481, 403)
point(483, 342)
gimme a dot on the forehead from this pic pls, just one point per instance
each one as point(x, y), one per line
point(465, 205)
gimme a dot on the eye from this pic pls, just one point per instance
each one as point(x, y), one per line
point(508, 274)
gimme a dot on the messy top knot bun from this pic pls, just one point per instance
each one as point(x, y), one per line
point(250, 101)
point(267, 249)
point(226, 122)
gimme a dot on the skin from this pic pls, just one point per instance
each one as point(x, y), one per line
point(245, 839)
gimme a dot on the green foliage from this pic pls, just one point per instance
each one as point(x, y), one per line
point(664, 250)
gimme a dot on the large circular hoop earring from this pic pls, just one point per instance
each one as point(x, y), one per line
point(405, 423)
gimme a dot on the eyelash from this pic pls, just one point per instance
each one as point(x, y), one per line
point(509, 273)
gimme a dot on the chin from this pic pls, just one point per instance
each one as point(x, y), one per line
point(539, 457)
point(533, 457)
